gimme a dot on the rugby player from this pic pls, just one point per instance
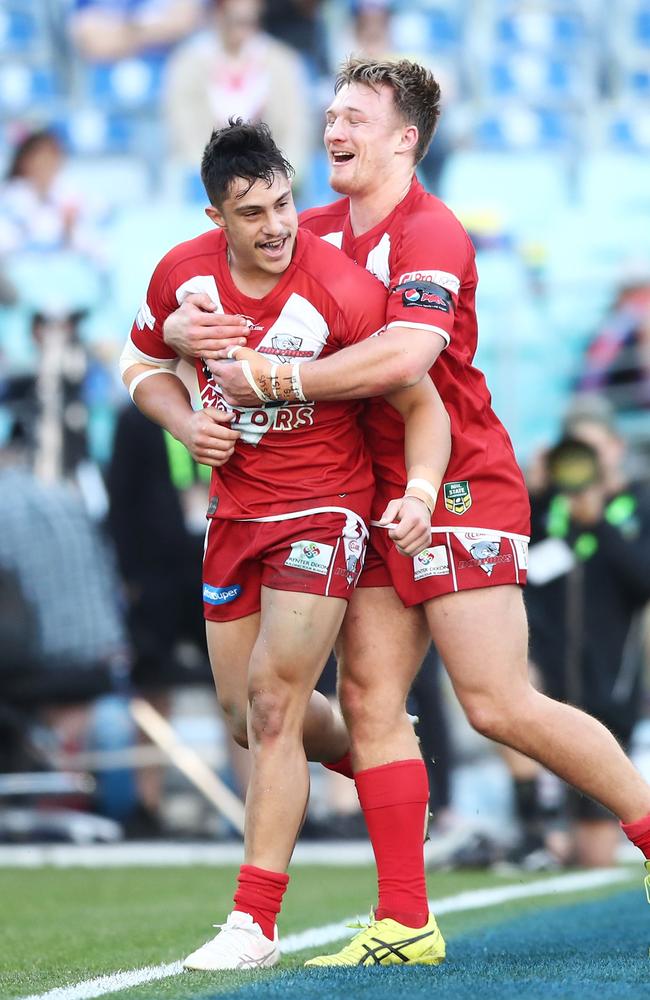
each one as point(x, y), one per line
point(288, 512)
point(465, 591)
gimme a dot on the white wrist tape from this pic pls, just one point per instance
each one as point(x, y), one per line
point(296, 383)
point(133, 385)
point(425, 486)
point(248, 375)
point(275, 382)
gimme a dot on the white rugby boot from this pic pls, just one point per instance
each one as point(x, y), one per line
point(239, 944)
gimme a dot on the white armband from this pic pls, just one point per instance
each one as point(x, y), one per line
point(133, 385)
point(132, 355)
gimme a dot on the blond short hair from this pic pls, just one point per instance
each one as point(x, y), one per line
point(415, 91)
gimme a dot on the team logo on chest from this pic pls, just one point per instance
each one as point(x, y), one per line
point(458, 498)
point(285, 348)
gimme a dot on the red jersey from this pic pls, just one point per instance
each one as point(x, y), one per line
point(289, 454)
point(425, 259)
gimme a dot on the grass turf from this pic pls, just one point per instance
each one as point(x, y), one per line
point(73, 924)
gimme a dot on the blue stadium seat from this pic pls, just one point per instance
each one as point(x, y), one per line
point(520, 188)
point(110, 181)
point(540, 78)
point(586, 251)
point(539, 29)
point(137, 239)
point(629, 129)
point(24, 87)
point(19, 30)
point(127, 85)
point(616, 181)
point(526, 128)
point(91, 131)
point(641, 26)
point(427, 27)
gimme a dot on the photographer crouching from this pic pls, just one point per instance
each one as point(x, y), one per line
point(588, 584)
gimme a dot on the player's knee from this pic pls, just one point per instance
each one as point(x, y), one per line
point(269, 712)
point(368, 711)
point(235, 716)
point(354, 700)
point(486, 717)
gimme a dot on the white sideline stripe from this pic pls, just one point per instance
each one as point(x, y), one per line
point(315, 936)
point(152, 854)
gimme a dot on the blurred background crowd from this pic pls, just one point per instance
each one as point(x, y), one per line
point(544, 153)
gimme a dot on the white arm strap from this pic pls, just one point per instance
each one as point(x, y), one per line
point(133, 385)
point(131, 355)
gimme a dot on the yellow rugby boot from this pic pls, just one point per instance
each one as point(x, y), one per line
point(646, 880)
point(385, 942)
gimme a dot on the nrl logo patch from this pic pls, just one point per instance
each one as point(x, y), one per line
point(458, 498)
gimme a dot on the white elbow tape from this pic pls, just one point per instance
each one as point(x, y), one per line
point(425, 486)
point(131, 356)
point(133, 385)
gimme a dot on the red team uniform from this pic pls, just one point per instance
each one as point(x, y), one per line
point(481, 522)
point(290, 507)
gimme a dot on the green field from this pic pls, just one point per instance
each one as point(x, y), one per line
point(65, 926)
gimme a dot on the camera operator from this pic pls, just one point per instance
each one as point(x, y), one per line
point(589, 579)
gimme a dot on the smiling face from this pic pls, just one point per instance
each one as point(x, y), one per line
point(260, 223)
point(366, 139)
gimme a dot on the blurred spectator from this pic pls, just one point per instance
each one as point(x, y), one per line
point(106, 30)
point(50, 547)
point(158, 499)
point(298, 23)
point(53, 253)
point(38, 211)
point(588, 581)
point(235, 69)
point(617, 362)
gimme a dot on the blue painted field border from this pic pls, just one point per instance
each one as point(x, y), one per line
point(596, 950)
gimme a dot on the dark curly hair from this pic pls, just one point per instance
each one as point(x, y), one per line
point(240, 149)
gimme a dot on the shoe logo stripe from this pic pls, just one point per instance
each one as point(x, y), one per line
point(384, 948)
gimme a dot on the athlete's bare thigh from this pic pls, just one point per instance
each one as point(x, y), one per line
point(230, 645)
point(482, 638)
point(382, 643)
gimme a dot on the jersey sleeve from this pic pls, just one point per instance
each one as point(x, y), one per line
point(147, 329)
point(361, 301)
point(426, 274)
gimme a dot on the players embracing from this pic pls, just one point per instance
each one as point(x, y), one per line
point(289, 511)
point(465, 591)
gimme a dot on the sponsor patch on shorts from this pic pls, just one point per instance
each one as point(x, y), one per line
point(314, 557)
point(220, 595)
point(431, 562)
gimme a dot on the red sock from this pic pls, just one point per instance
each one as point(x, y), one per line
point(394, 799)
point(639, 833)
point(342, 766)
point(259, 892)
